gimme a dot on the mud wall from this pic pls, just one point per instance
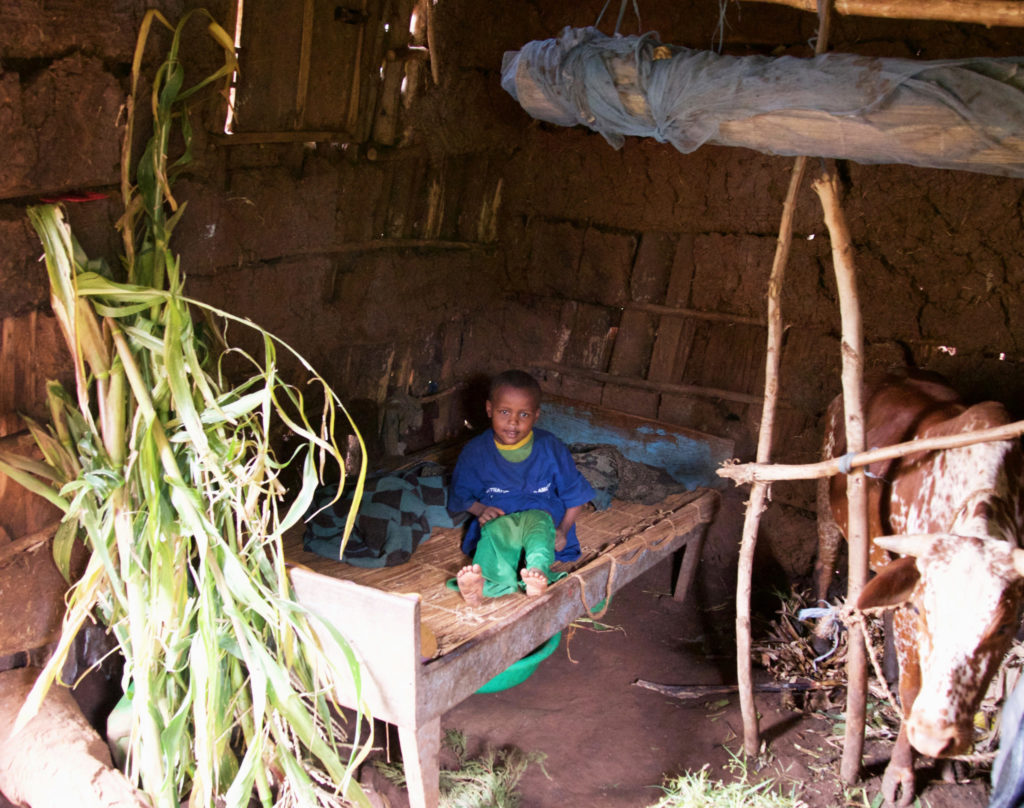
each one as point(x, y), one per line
point(464, 237)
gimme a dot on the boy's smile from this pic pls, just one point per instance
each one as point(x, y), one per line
point(513, 413)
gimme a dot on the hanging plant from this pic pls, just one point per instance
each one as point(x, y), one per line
point(164, 467)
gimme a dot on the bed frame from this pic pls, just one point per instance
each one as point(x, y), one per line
point(423, 650)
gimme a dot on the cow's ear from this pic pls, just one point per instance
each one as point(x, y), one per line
point(892, 586)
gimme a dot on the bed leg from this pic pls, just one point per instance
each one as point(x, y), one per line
point(691, 558)
point(421, 750)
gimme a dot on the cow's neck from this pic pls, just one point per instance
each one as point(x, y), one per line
point(962, 491)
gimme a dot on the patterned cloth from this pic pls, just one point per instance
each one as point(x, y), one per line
point(396, 513)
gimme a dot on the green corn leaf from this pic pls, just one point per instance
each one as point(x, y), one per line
point(63, 544)
point(165, 469)
point(33, 484)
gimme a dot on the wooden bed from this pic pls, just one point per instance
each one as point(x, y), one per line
point(423, 650)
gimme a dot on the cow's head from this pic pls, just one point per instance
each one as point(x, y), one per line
point(960, 599)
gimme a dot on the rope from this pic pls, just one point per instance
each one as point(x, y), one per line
point(851, 615)
point(846, 464)
point(609, 589)
point(622, 13)
point(652, 545)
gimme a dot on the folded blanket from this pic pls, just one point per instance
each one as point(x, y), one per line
point(614, 475)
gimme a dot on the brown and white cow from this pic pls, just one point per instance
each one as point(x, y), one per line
point(958, 590)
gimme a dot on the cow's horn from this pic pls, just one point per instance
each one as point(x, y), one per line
point(913, 545)
point(1018, 561)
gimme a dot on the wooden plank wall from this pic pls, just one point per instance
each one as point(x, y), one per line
point(642, 346)
point(327, 70)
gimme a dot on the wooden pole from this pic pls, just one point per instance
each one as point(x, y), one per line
point(981, 12)
point(432, 47)
point(759, 491)
point(827, 189)
point(305, 56)
point(745, 473)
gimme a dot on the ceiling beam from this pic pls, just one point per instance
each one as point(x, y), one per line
point(981, 12)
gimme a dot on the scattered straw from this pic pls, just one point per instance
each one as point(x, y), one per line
point(698, 790)
point(787, 654)
point(486, 782)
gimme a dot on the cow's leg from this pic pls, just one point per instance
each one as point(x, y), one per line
point(421, 751)
point(830, 538)
point(898, 780)
point(890, 659)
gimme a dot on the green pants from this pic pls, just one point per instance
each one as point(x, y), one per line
point(505, 541)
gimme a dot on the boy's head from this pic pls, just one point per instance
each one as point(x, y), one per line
point(513, 405)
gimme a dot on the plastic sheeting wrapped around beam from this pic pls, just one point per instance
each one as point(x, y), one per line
point(965, 114)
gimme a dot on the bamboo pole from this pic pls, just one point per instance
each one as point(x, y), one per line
point(981, 12)
point(746, 473)
point(827, 188)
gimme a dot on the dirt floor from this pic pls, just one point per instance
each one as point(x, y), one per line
point(609, 742)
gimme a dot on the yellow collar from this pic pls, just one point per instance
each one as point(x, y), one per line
point(513, 447)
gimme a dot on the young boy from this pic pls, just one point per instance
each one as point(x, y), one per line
point(523, 488)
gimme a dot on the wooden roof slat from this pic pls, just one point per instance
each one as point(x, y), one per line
point(981, 12)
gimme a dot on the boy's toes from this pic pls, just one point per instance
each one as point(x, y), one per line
point(471, 584)
point(535, 580)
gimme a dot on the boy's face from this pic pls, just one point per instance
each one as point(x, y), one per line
point(513, 413)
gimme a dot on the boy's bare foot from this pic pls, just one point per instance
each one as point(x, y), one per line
point(535, 580)
point(471, 584)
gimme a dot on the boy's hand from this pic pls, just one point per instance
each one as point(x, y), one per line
point(560, 539)
point(490, 512)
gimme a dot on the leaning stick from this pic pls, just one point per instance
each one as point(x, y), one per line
point(745, 473)
point(827, 188)
point(758, 492)
point(755, 505)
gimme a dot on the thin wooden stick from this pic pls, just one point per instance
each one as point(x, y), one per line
point(688, 692)
point(758, 493)
point(982, 12)
point(305, 56)
point(746, 473)
point(352, 118)
point(827, 188)
point(432, 47)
